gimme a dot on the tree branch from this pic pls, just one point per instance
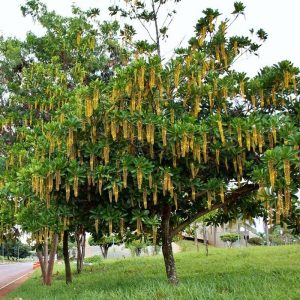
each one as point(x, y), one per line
point(233, 197)
point(144, 26)
point(156, 28)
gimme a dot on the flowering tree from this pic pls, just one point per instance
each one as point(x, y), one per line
point(131, 141)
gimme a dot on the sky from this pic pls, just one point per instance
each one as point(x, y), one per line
point(278, 18)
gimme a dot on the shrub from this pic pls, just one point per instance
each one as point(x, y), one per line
point(258, 241)
point(96, 259)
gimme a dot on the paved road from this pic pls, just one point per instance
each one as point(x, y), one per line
point(11, 272)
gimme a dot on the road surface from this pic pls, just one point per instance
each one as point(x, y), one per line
point(11, 273)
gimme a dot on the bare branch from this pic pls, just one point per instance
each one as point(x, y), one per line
point(156, 28)
point(143, 25)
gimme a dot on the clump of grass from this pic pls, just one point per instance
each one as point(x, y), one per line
point(259, 273)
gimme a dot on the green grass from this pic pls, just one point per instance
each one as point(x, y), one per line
point(252, 273)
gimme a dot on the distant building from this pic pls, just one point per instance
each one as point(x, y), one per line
point(213, 233)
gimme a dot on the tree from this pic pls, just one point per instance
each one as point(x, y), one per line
point(105, 242)
point(147, 143)
point(229, 238)
point(15, 250)
point(52, 61)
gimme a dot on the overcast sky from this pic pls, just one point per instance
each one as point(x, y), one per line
point(279, 18)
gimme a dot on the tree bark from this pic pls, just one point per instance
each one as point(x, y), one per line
point(266, 228)
point(68, 272)
point(51, 259)
point(46, 253)
point(205, 239)
point(167, 245)
point(196, 236)
point(104, 250)
point(40, 257)
point(46, 260)
point(80, 243)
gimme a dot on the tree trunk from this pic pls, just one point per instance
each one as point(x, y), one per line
point(167, 245)
point(104, 250)
point(67, 257)
point(83, 245)
point(46, 253)
point(205, 239)
point(267, 232)
point(196, 237)
point(40, 257)
point(46, 260)
point(80, 243)
point(215, 235)
point(52, 258)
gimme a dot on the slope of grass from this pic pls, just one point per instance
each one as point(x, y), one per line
point(252, 273)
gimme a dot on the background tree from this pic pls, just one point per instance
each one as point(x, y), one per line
point(105, 242)
point(229, 238)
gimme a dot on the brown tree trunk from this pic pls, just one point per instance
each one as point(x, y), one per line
point(167, 245)
point(40, 257)
point(52, 258)
point(46, 254)
point(80, 243)
point(104, 250)
point(46, 260)
point(67, 257)
point(83, 245)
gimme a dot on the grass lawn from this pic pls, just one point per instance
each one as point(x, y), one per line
point(245, 273)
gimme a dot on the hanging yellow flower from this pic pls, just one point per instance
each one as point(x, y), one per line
point(100, 183)
point(110, 227)
point(78, 38)
point(209, 199)
point(287, 171)
point(139, 177)
point(140, 130)
point(177, 75)
point(113, 130)
point(155, 194)
point(287, 200)
point(141, 78)
point(115, 191)
point(125, 175)
point(75, 186)
point(220, 127)
point(145, 198)
point(97, 225)
point(152, 78)
point(235, 48)
point(150, 180)
point(222, 194)
point(272, 173)
point(67, 192)
point(193, 193)
point(106, 154)
point(204, 147)
point(248, 140)
point(239, 132)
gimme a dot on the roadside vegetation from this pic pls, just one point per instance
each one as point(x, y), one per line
point(235, 273)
